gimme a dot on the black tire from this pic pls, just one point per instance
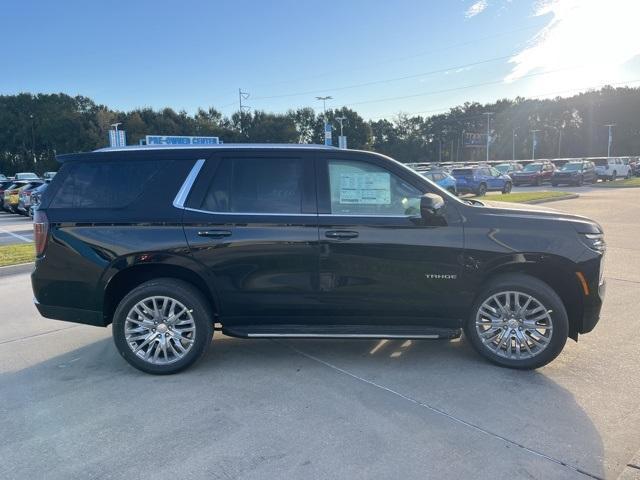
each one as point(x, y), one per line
point(482, 190)
point(507, 188)
point(554, 184)
point(538, 181)
point(547, 297)
point(614, 175)
point(580, 181)
point(186, 294)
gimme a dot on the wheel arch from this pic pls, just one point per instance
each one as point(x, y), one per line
point(558, 275)
point(129, 278)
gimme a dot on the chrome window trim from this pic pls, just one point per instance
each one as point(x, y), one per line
point(253, 213)
point(183, 193)
point(263, 214)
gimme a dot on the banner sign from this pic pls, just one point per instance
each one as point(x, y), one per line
point(327, 134)
point(475, 140)
point(180, 140)
point(117, 138)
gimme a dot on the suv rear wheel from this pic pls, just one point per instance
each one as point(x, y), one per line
point(162, 326)
point(507, 188)
point(482, 190)
point(519, 322)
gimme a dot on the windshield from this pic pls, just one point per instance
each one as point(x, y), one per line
point(503, 168)
point(533, 167)
point(571, 167)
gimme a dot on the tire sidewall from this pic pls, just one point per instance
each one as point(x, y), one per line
point(543, 293)
point(178, 290)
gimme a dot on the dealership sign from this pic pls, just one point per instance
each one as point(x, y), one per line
point(180, 140)
point(475, 139)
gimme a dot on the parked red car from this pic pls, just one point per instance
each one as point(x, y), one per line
point(534, 174)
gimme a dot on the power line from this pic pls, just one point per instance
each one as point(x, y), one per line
point(575, 90)
point(423, 53)
point(387, 80)
point(434, 92)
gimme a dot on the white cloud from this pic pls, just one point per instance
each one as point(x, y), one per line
point(592, 39)
point(475, 9)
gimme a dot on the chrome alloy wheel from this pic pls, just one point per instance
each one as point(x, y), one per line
point(514, 325)
point(160, 330)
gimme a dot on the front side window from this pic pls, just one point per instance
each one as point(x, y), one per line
point(256, 185)
point(361, 188)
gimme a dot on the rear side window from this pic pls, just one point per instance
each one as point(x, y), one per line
point(462, 171)
point(112, 184)
point(256, 185)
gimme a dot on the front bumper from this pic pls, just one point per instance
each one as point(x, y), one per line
point(592, 307)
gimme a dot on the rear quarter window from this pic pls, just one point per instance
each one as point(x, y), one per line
point(102, 184)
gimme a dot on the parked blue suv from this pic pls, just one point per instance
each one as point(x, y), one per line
point(480, 180)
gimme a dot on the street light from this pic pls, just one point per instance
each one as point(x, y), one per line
point(324, 103)
point(488, 114)
point(533, 155)
point(340, 119)
point(610, 125)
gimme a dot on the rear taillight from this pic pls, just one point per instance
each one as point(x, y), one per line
point(40, 231)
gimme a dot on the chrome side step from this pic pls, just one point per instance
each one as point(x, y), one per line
point(341, 331)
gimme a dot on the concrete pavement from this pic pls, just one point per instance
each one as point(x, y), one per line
point(72, 408)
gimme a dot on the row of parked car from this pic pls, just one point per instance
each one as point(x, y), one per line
point(482, 178)
point(22, 193)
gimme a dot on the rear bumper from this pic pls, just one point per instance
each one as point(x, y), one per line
point(75, 315)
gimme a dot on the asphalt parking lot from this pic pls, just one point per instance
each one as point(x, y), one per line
point(254, 409)
point(15, 229)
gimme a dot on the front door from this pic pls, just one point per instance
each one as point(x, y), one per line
point(251, 219)
point(379, 264)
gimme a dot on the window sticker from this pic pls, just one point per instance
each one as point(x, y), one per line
point(365, 188)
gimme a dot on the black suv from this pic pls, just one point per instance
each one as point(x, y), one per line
point(259, 241)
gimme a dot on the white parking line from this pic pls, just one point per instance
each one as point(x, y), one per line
point(19, 237)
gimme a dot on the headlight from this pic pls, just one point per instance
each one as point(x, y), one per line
point(595, 241)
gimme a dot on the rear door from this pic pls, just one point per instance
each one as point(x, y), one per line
point(251, 220)
point(379, 264)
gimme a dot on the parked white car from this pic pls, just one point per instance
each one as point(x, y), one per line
point(610, 168)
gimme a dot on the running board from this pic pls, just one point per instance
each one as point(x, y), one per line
point(341, 331)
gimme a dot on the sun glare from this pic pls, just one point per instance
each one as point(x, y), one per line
point(585, 43)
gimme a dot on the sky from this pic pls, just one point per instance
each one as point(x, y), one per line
point(377, 57)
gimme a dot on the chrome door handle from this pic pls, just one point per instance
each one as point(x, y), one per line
point(341, 234)
point(215, 233)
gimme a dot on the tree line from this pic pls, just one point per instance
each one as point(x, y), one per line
point(36, 127)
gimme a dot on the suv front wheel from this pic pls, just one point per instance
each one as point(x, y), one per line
point(162, 326)
point(519, 322)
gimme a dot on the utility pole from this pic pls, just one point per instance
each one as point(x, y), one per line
point(242, 96)
point(513, 144)
point(610, 125)
point(341, 119)
point(535, 141)
point(488, 114)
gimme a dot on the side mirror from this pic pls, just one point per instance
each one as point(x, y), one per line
point(431, 206)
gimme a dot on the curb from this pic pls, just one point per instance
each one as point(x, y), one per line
point(553, 199)
point(16, 269)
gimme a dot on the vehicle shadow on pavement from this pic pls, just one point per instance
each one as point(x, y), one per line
point(274, 407)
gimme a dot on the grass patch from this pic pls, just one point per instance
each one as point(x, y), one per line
point(627, 183)
point(523, 197)
point(14, 254)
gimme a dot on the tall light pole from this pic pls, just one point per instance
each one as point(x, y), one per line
point(115, 125)
point(533, 154)
point(341, 119)
point(488, 114)
point(610, 125)
point(324, 104)
point(327, 127)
